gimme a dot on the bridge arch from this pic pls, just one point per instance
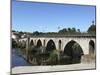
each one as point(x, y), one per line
point(31, 43)
point(14, 43)
point(91, 47)
point(39, 43)
point(73, 51)
point(50, 45)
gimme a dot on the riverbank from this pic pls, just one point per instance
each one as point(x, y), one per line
point(35, 69)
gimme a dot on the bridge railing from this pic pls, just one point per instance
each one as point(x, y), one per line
point(64, 35)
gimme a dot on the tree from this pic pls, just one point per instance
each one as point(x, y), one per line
point(92, 28)
point(63, 30)
point(69, 29)
point(36, 33)
point(73, 30)
point(78, 30)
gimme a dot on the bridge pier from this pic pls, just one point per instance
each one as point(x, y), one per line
point(27, 47)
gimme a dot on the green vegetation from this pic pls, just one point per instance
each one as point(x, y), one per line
point(53, 58)
point(14, 44)
point(92, 29)
point(69, 30)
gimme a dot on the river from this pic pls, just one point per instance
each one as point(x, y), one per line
point(17, 59)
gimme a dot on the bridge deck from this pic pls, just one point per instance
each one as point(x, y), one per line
point(88, 36)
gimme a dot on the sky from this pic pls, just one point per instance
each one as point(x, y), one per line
point(50, 17)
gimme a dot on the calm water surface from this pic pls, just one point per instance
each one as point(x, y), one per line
point(17, 59)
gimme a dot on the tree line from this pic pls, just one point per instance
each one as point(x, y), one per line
point(91, 30)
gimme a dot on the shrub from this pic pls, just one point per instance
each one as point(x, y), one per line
point(53, 58)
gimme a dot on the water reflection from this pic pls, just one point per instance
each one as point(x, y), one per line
point(17, 59)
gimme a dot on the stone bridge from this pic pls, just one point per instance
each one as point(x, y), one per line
point(87, 43)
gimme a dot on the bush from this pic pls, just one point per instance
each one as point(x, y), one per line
point(53, 58)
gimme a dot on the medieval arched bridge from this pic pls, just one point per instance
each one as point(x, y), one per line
point(60, 43)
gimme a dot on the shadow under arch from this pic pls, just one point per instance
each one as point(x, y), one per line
point(50, 46)
point(91, 47)
point(73, 52)
point(31, 43)
point(59, 44)
point(39, 43)
point(14, 43)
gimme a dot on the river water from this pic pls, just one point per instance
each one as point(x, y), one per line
point(17, 59)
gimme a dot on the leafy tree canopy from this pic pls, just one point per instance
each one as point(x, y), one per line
point(92, 28)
